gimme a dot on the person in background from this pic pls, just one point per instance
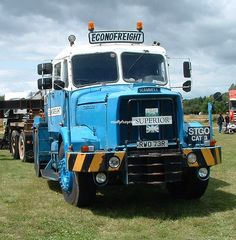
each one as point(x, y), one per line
point(220, 122)
point(226, 121)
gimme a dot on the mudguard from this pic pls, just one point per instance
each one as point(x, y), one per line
point(80, 135)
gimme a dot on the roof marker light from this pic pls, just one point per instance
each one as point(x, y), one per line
point(91, 26)
point(139, 26)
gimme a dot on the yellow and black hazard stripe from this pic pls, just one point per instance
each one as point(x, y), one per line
point(205, 156)
point(93, 162)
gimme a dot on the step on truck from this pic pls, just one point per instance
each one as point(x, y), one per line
point(112, 118)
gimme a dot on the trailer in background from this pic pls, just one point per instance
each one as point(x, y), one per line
point(18, 118)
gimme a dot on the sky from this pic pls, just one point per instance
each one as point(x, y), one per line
point(35, 31)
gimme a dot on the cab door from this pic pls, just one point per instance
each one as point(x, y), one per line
point(57, 99)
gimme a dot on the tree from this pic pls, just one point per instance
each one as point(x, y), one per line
point(232, 87)
point(196, 105)
point(204, 106)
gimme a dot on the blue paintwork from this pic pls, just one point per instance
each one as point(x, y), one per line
point(86, 119)
point(209, 107)
point(55, 99)
point(191, 124)
point(93, 109)
point(82, 135)
point(96, 108)
point(65, 178)
point(42, 151)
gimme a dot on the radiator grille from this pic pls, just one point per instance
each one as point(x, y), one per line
point(137, 108)
point(154, 167)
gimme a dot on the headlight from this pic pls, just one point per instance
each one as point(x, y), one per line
point(203, 173)
point(192, 158)
point(114, 162)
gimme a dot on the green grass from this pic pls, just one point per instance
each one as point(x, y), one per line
point(34, 208)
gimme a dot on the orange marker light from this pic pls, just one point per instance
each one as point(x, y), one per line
point(139, 26)
point(212, 142)
point(91, 26)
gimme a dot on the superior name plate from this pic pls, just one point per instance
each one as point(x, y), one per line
point(158, 120)
point(152, 144)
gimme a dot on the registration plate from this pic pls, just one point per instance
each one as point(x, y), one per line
point(152, 144)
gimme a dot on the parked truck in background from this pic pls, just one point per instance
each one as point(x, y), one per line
point(110, 117)
point(232, 105)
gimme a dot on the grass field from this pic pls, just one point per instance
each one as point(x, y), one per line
point(34, 208)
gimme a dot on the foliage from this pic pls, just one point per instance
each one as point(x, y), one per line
point(1, 98)
point(197, 105)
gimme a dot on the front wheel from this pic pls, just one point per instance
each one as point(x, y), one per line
point(78, 188)
point(191, 186)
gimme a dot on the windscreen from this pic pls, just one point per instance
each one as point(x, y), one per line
point(94, 68)
point(143, 67)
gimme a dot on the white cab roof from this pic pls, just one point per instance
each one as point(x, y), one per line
point(108, 47)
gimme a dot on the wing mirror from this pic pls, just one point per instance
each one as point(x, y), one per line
point(44, 68)
point(44, 83)
point(187, 86)
point(187, 69)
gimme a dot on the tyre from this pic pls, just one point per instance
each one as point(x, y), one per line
point(191, 186)
point(25, 150)
point(78, 188)
point(14, 144)
point(36, 162)
point(22, 147)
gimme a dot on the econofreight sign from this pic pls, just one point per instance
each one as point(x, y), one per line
point(116, 37)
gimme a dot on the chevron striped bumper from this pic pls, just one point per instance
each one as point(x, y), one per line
point(93, 162)
point(99, 161)
point(206, 156)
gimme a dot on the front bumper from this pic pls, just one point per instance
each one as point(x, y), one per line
point(145, 166)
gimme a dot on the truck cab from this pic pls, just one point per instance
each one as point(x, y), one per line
point(112, 118)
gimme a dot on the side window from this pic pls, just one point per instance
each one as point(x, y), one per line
point(65, 73)
point(57, 71)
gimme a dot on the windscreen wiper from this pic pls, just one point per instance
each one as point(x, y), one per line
point(136, 61)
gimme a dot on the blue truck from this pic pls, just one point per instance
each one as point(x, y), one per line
point(111, 117)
